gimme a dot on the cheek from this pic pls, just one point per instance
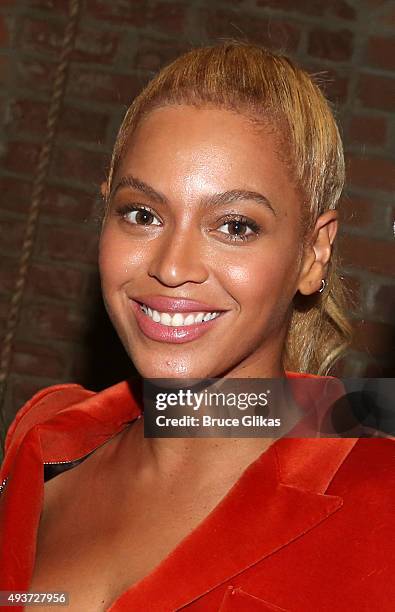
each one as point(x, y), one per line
point(262, 282)
point(118, 259)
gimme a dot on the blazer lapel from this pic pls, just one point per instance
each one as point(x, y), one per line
point(278, 498)
point(61, 434)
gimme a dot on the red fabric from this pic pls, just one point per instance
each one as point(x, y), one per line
point(307, 527)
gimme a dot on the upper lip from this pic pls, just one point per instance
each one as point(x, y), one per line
point(169, 304)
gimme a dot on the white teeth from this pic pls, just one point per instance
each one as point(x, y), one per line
point(190, 319)
point(165, 318)
point(178, 319)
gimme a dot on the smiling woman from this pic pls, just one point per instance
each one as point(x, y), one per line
point(217, 261)
point(216, 226)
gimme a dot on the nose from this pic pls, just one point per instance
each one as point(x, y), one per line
point(178, 259)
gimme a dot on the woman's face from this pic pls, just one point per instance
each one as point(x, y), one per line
point(203, 209)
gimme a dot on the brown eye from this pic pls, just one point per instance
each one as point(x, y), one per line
point(236, 228)
point(144, 217)
point(138, 215)
point(239, 229)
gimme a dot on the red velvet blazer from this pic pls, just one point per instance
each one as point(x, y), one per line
point(307, 527)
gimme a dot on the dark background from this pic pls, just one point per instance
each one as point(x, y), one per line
point(63, 334)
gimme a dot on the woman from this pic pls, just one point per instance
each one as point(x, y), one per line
point(216, 262)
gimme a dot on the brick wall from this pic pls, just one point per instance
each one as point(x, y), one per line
point(63, 333)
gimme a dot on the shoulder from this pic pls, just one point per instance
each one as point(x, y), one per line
point(372, 454)
point(68, 420)
point(368, 472)
point(45, 404)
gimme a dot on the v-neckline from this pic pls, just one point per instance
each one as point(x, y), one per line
point(193, 534)
point(198, 529)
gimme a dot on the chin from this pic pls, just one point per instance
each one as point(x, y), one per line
point(172, 369)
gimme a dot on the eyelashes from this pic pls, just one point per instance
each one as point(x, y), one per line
point(240, 228)
point(248, 228)
point(143, 215)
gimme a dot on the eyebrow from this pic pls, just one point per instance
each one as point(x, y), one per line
point(138, 185)
point(227, 197)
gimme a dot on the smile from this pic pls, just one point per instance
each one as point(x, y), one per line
point(178, 319)
point(174, 328)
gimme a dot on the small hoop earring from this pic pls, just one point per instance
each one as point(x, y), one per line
point(323, 285)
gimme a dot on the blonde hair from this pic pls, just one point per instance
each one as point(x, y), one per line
point(255, 81)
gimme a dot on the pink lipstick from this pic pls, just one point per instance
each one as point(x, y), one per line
point(155, 330)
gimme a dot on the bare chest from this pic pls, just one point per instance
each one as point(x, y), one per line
point(95, 550)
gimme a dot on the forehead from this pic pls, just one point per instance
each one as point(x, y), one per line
point(193, 149)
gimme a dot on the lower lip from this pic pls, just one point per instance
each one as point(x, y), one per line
point(166, 333)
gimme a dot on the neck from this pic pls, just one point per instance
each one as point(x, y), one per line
point(206, 457)
point(200, 457)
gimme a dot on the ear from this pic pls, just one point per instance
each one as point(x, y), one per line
point(318, 252)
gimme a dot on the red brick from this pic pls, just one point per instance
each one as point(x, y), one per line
point(4, 68)
point(152, 54)
point(39, 35)
point(384, 302)
point(22, 389)
point(74, 123)
point(371, 172)
point(372, 255)
point(37, 360)
point(4, 309)
point(343, 9)
point(374, 338)
point(61, 6)
point(59, 202)
point(11, 234)
point(339, 8)
point(273, 33)
point(28, 115)
point(352, 285)
point(376, 91)
point(103, 87)
point(170, 17)
point(22, 157)
point(381, 52)
point(67, 244)
point(4, 34)
point(368, 130)
point(15, 194)
point(35, 74)
point(388, 18)
point(52, 322)
point(67, 203)
point(121, 11)
point(331, 45)
point(8, 272)
point(83, 125)
point(3, 105)
point(356, 211)
point(333, 83)
point(79, 165)
point(55, 281)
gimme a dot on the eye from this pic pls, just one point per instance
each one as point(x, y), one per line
point(137, 214)
point(239, 228)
